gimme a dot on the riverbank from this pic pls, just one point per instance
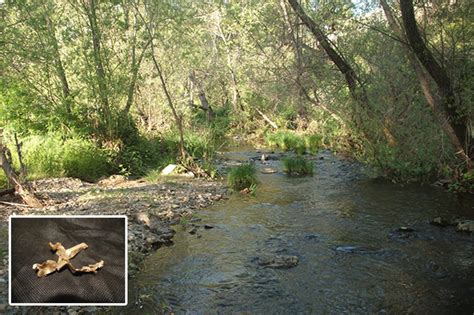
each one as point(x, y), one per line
point(151, 207)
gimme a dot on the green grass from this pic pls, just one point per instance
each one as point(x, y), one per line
point(52, 156)
point(3, 180)
point(297, 166)
point(313, 143)
point(242, 176)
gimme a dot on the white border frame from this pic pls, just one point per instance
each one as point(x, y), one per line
point(65, 217)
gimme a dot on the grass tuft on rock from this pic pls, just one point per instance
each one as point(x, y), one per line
point(297, 166)
point(242, 177)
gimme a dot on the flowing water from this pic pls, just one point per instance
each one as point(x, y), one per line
point(341, 225)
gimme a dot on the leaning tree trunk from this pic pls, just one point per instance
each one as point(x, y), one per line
point(202, 96)
point(433, 101)
point(458, 132)
point(353, 82)
point(23, 189)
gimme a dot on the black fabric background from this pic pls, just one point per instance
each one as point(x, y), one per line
point(106, 240)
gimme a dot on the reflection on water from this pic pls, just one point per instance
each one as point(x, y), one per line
point(342, 227)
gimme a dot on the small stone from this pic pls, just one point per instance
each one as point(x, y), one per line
point(143, 218)
point(405, 229)
point(268, 170)
point(208, 226)
point(439, 222)
point(279, 261)
point(193, 231)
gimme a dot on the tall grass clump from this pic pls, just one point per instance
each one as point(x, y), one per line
point(286, 141)
point(297, 166)
point(313, 143)
point(242, 177)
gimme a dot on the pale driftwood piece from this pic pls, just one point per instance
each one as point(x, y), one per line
point(14, 204)
point(65, 255)
point(265, 117)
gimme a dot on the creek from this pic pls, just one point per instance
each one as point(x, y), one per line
point(343, 227)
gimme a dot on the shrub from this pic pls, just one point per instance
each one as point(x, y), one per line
point(242, 176)
point(297, 166)
point(145, 155)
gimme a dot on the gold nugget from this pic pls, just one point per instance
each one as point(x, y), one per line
point(65, 255)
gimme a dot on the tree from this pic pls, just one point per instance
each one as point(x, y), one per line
point(444, 108)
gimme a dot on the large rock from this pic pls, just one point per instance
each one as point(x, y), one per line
point(169, 169)
point(152, 229)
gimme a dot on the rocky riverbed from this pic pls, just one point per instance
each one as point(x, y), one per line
point(151, 207)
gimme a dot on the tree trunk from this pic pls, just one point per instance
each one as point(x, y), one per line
point(298, 51)
point(135, 67)
point(349, 74)
point(432, 100)
point(90, 7)
point(177, 118)
point(236, 102)
point(202, 96)
point(356, 89)
point(58, 64)
point(23, 189)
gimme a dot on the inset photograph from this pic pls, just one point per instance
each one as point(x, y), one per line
point(57, 260)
